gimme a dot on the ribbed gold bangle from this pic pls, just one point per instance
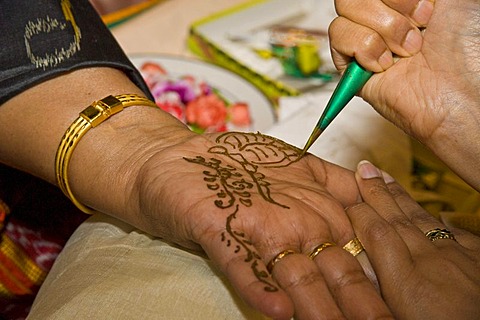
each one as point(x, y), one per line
point(92, 116)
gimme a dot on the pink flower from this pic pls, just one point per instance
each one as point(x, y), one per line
point(150, 72)
point(170, 102)
point(207, 112)
point(239, 114)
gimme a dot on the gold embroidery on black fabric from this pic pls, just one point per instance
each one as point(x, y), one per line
point(234, 187)
point(47, 25)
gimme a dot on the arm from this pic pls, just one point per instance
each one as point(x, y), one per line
point(144, 167)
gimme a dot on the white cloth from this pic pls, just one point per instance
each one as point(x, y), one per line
point(109, 270)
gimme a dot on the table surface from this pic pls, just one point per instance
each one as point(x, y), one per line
point(164, 27)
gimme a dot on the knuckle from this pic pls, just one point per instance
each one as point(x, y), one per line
point(377, 190)
point(347, 280)
point(396, 190)
point(420, 217)
point(389, 22)
point(372, 46)
point(342, 6)
point(336, 27)
point(359, 208)
point(335, 24)
point(377, 231)
point(399, 223)
point(298, 280)
point(395, 28)
point(372, 40)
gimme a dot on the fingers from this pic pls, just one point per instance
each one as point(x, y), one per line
point(391, 217)
point(400, 34)
point(351, 288)
point(303, 282)
point(373, 31)
point(348, 39)
point(328, 285)
point(408, 262)
point(332, 286)
point(395, 205)
point(419, 12)
point(379, 220)
point(368, 269)
point(248, 274)
point(425, 221)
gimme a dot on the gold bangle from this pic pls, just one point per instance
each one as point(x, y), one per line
point(92, 116)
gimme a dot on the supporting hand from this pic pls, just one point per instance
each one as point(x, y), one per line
point(420, 277)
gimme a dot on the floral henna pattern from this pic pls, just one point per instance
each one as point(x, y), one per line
point(252, 151)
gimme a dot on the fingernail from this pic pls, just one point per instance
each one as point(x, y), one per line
point(423, 12)
point(387, 178)
point(366, 170)
point(385, 60)
point(413, 41)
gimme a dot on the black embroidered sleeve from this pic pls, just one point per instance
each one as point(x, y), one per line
point(41, 39)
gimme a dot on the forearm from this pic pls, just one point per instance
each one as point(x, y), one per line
point(107, 157)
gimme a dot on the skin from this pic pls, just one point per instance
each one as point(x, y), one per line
point(146, 168)
point(431, 91)
point(418, 278)
point(136, 167)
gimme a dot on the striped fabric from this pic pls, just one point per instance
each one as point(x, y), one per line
point(19, 273)
point(35, 222)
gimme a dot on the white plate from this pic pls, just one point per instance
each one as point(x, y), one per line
point(230, 85)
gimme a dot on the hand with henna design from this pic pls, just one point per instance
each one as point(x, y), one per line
point(432, 91)
point(239, 198)
point(250, 197)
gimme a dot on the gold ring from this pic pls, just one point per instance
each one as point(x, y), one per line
point(354, 246)
point(319, 249)
point(277, 258)
point(438, 233)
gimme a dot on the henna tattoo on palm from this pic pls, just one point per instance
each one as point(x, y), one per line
point(252, 151)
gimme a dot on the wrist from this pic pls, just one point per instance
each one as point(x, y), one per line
point(36, 119)
point(454, 141)
point(113, 155)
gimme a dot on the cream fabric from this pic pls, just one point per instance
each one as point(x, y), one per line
point(108, 270)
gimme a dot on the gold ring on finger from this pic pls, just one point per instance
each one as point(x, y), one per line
point(354, 246)
point(438, 233)
point(319, 249)
point(277, 258)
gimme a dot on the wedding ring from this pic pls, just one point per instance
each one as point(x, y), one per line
point(438, 233)
point(277, 258)
point(354, 246)
point(319, 249)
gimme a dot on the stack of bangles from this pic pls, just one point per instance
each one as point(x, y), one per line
point(92, 116)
